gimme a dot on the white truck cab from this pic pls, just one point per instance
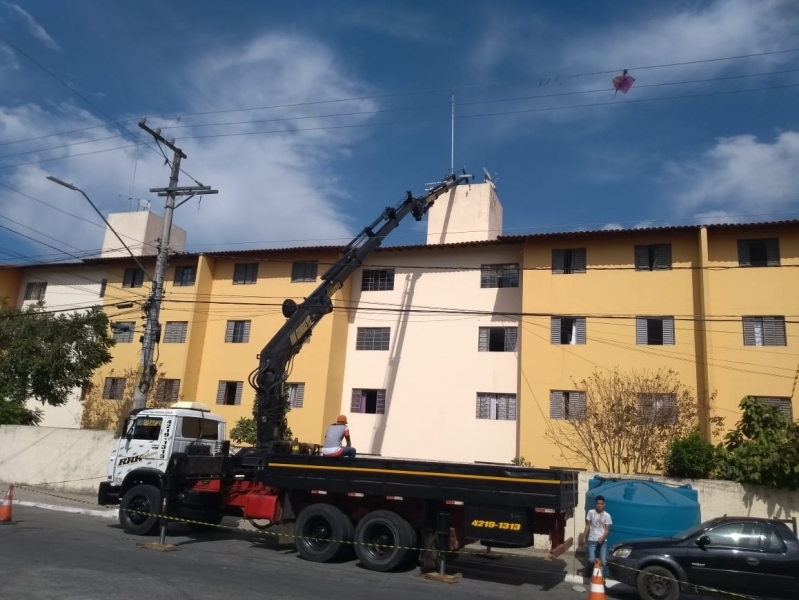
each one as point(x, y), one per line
point(152, 435)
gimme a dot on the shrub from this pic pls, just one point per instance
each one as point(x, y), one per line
point(691, 458)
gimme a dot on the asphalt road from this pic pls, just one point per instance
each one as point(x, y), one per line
point(54, 555)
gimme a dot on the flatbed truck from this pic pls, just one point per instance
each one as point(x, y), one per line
point(177, 462)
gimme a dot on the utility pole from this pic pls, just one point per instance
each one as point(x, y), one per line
point(152, 307)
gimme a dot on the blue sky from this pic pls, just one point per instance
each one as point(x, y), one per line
point(631, 160)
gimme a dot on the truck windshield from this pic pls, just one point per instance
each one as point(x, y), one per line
point(146, 428)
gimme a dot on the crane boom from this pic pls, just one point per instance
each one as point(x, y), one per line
point(270, 376)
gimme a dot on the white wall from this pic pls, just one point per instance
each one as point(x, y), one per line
point(77, 288)
point(433, 370)
point(140, 231)
point(66, 459)
point(716, 499)
point(467, 213)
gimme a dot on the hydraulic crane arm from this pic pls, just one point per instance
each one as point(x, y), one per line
point(269, 378)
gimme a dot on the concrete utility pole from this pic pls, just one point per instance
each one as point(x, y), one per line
point(152, 329)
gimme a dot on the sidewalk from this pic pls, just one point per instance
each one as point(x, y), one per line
point(42, 497)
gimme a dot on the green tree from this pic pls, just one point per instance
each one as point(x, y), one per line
point(763, 448)
point(691, 458)
point(44, 356)
point(245, 431)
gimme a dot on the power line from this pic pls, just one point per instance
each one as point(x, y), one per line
point(400, 109)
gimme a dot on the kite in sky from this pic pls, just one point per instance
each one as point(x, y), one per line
point(622, 83)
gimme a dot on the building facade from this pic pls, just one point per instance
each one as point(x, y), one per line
point(469, 347)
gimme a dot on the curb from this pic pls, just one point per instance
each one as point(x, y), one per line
point(107, 514)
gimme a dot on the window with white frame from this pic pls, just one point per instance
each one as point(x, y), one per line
point(499, 276)
point(175, 332)
point(784, 405)
point(654, 331)
point(496, 407)
point(377, 280)
point(373, 338)
point(497, 339)
point(660, 409)
point(35, 290)
point(229, 393)
point(368, 401)
point(567, 331)
point(764, 331)
point(568, 261)
point(296, 393)
point(566, 405)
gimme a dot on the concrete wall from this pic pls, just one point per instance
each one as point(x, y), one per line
point(716, 499)
point(141, 231)
point(433, 370)
point(467, 213)
point(66, 459)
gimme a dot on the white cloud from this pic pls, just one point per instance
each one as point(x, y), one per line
point(33, 27)
point(611, 226)
point(401, 24)
point(739, 175)
point(271, 187)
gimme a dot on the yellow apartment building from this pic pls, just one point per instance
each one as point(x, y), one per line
point(475, 340)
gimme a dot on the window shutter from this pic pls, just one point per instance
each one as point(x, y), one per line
point(482, 342)
point(511, 337)
point(580, 330)
point(782, 404)
point(299, 395)
point(511, 407)
point(160, 390)
point(127, 278)
point(577, 408)
point(556, 404)
point(229, 332)
point(743, 254)
point(554, 335)
point(502, 407)
point(640, 331)
point(663, 257)
point(356, 404)
point(558, 261)
point(175, 390)
point(668, 331)
point(483, 406)
point(239, 390)
point(779, 332)
point(246, 337)
point(107, 387)
point(380, 408)
point(749, 331)
point(578, 260)
point(642, 258)
point(773, 252)
point(220, 393)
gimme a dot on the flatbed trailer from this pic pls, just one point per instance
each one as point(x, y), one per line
point(390, 511)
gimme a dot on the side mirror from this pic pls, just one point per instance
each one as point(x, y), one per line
point(703, 541)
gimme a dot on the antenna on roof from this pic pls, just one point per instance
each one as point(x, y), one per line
point(452, 140)
point(489, 178)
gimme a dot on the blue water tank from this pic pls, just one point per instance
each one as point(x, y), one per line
point(644, 509)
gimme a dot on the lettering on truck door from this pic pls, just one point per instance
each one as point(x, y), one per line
point(139, 447)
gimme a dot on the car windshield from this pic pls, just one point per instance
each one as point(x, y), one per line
point(692, 530)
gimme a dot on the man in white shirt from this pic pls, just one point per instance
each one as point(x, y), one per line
point(597, 529)
point(336, 433)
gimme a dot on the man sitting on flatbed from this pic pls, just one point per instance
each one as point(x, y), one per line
point(335, 433)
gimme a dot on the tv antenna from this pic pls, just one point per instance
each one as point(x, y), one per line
point(452, 139)
point(492, 179)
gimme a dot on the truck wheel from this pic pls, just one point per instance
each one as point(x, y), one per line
point(137, 500)
point(384, 541)
point(322, 533)
point(657, 583)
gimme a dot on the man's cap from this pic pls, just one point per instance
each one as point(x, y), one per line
point(342, 419)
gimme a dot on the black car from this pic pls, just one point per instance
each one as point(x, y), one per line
point(748, 556)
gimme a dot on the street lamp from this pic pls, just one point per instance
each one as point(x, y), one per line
point(74, 188)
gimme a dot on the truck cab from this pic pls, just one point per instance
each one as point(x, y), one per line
point(149, 438)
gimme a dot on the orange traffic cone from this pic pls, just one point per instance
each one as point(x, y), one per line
point(5, 505)
point(597, 583)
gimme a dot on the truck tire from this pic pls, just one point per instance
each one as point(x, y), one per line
point(142, 499)
point(384, 541)
point(322, 533)
point(657, 583)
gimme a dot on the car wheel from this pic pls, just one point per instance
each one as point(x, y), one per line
point(657, 583)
